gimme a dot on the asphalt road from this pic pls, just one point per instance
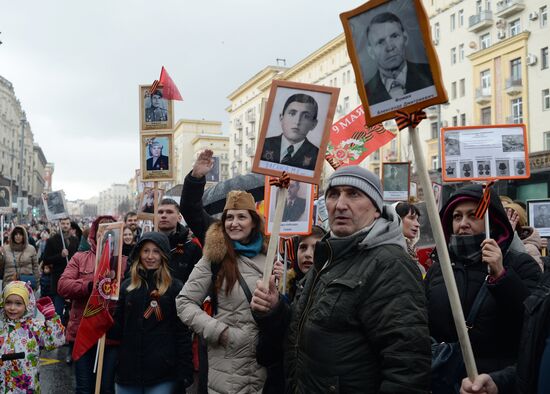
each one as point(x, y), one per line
point(56, 377)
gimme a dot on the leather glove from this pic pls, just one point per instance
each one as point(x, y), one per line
point(45, 306)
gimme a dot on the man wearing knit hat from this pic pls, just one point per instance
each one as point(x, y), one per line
point(360, 323)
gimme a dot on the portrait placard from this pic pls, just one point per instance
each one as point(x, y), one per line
point(155, 112)
point(298, 211)
point(481, 153)
point(146, 207)
point(214, 174)
point(157, 156)
point(5, 200)
point(295, 130)
point(396, 181)
point(111, 234)
point(54, 205)
point(538, 213)
point(395, 64)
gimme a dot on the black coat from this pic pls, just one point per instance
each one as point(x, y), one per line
point(52, 256)
point(161, 164)
point(151, 351)
point(293, 212)
point(184, 254)
point(418, 77)
point(496, 330)
point(305, 157)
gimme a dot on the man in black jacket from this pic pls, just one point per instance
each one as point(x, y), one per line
point(360, 323)
point(57, 256)
point(184, 253)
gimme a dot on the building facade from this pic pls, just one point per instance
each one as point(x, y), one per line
point(114, 201)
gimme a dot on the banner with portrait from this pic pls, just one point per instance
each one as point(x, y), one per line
point(5, 200)
point(156, 112)
point(538, 213)
point(396, 183)
point(55, 206)
point(157, 156)
point(110, 234)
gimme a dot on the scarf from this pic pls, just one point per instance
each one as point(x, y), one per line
point(251, 249)
point(466, 248)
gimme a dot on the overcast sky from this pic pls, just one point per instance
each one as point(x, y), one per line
point(76, 67)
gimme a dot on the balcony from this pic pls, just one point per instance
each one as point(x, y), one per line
point(250, 116)
point(506, 8)
point(238, 158)
point(251, 134)
point(483, 95)
point(514, 86)
point(514, 119)
point(238, 140)
point(238, 124)
point(480, 21)
point(431, 112)
point(250, 152)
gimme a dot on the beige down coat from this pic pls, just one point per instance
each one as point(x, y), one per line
point(23, 255)
point(232, 369)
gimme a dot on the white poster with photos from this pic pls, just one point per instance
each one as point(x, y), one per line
point(484, 152)
point(538, 212)
point(54, 205)
point(298, 211)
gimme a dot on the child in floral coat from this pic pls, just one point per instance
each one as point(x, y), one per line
point(21, 331)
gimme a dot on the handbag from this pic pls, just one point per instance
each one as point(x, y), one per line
point(23, 277)
point(447, 362)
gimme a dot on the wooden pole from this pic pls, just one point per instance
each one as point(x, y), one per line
point(444, 259)
point(285, 268)
point(155, 206)
point(62, 239)
point(273, 244)
point(2, 226)
point(99, 363)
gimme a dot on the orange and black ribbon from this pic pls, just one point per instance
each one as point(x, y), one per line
point(154, 306)
point(404, 119)
point(290, 250)
point(281, 182)
point(485, 200)
point(154, 86)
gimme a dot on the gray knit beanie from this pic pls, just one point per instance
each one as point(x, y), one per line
point(359, 178)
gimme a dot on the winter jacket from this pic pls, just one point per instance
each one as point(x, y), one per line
point(360, 323)
point(496, 329)
point(52, 255)
point(77, 280)
point(17, 260)
point(232, 369)
point(184, 254)
point(152, 350)
point(29, 335)
point(191, 207)
point(533, 243)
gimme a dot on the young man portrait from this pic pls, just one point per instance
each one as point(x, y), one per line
point(291, 147)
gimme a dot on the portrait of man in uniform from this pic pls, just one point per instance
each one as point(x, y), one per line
point(295, 205)
point(156, 111)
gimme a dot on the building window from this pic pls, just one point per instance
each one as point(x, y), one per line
point(488, 5)
point(485, 77)
point(515, 27)
point(543, 11)
point(486, 115)
point(460, 18)
point(461, 52)
point(434, 162)
point(436, 31)
point(485, 41)
point(453, 90)
point(462, 87)
point(479, 7)
point(463, 119)
point(455, 121)
point(517, 110)
point(434, 127)
point(546, 99)
point(544, 58)
point(453, 22)
point(453, 55)
point(547, 140)
point(346, 104)
point(515, 69)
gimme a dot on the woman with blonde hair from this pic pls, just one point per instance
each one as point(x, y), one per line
point(155, 350)
point(233, 260)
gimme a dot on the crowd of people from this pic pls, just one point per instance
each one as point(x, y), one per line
point(353, 310)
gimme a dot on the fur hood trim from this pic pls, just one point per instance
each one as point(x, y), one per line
point(215, 248)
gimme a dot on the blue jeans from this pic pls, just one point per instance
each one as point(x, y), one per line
point(161, 388)
point(58, 303)
point(85, 376)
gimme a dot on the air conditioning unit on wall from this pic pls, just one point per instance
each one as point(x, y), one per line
point(531, 59)
point(501, 35)
point(533, 15)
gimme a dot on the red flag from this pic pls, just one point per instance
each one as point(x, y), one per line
point(96, 319)
point(170, 90)
point(351, 140)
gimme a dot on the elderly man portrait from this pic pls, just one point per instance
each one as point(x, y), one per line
point(396, 76)
point(156, 112)
point(157, 161)
point(359, 324)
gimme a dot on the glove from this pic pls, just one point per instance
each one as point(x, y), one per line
point(45, 306)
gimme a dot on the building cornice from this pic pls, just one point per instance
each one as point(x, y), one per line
point(500, 47)
point(273, 70)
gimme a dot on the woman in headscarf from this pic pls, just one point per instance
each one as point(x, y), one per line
point(18, 259)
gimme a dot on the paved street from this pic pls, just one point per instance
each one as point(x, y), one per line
point(56, 377)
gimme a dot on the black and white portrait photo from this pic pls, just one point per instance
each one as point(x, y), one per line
point(5, 197)
point(452, 145)
point(538, 212)
point(156, 156)
point(54, 204)
point(396, 181)
point(214, 174)
point(392, 56)
point(297, 120)
point(156, 111)
point(512, 143)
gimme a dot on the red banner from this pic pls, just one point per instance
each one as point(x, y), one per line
point(351, 140)
point(96, 319)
